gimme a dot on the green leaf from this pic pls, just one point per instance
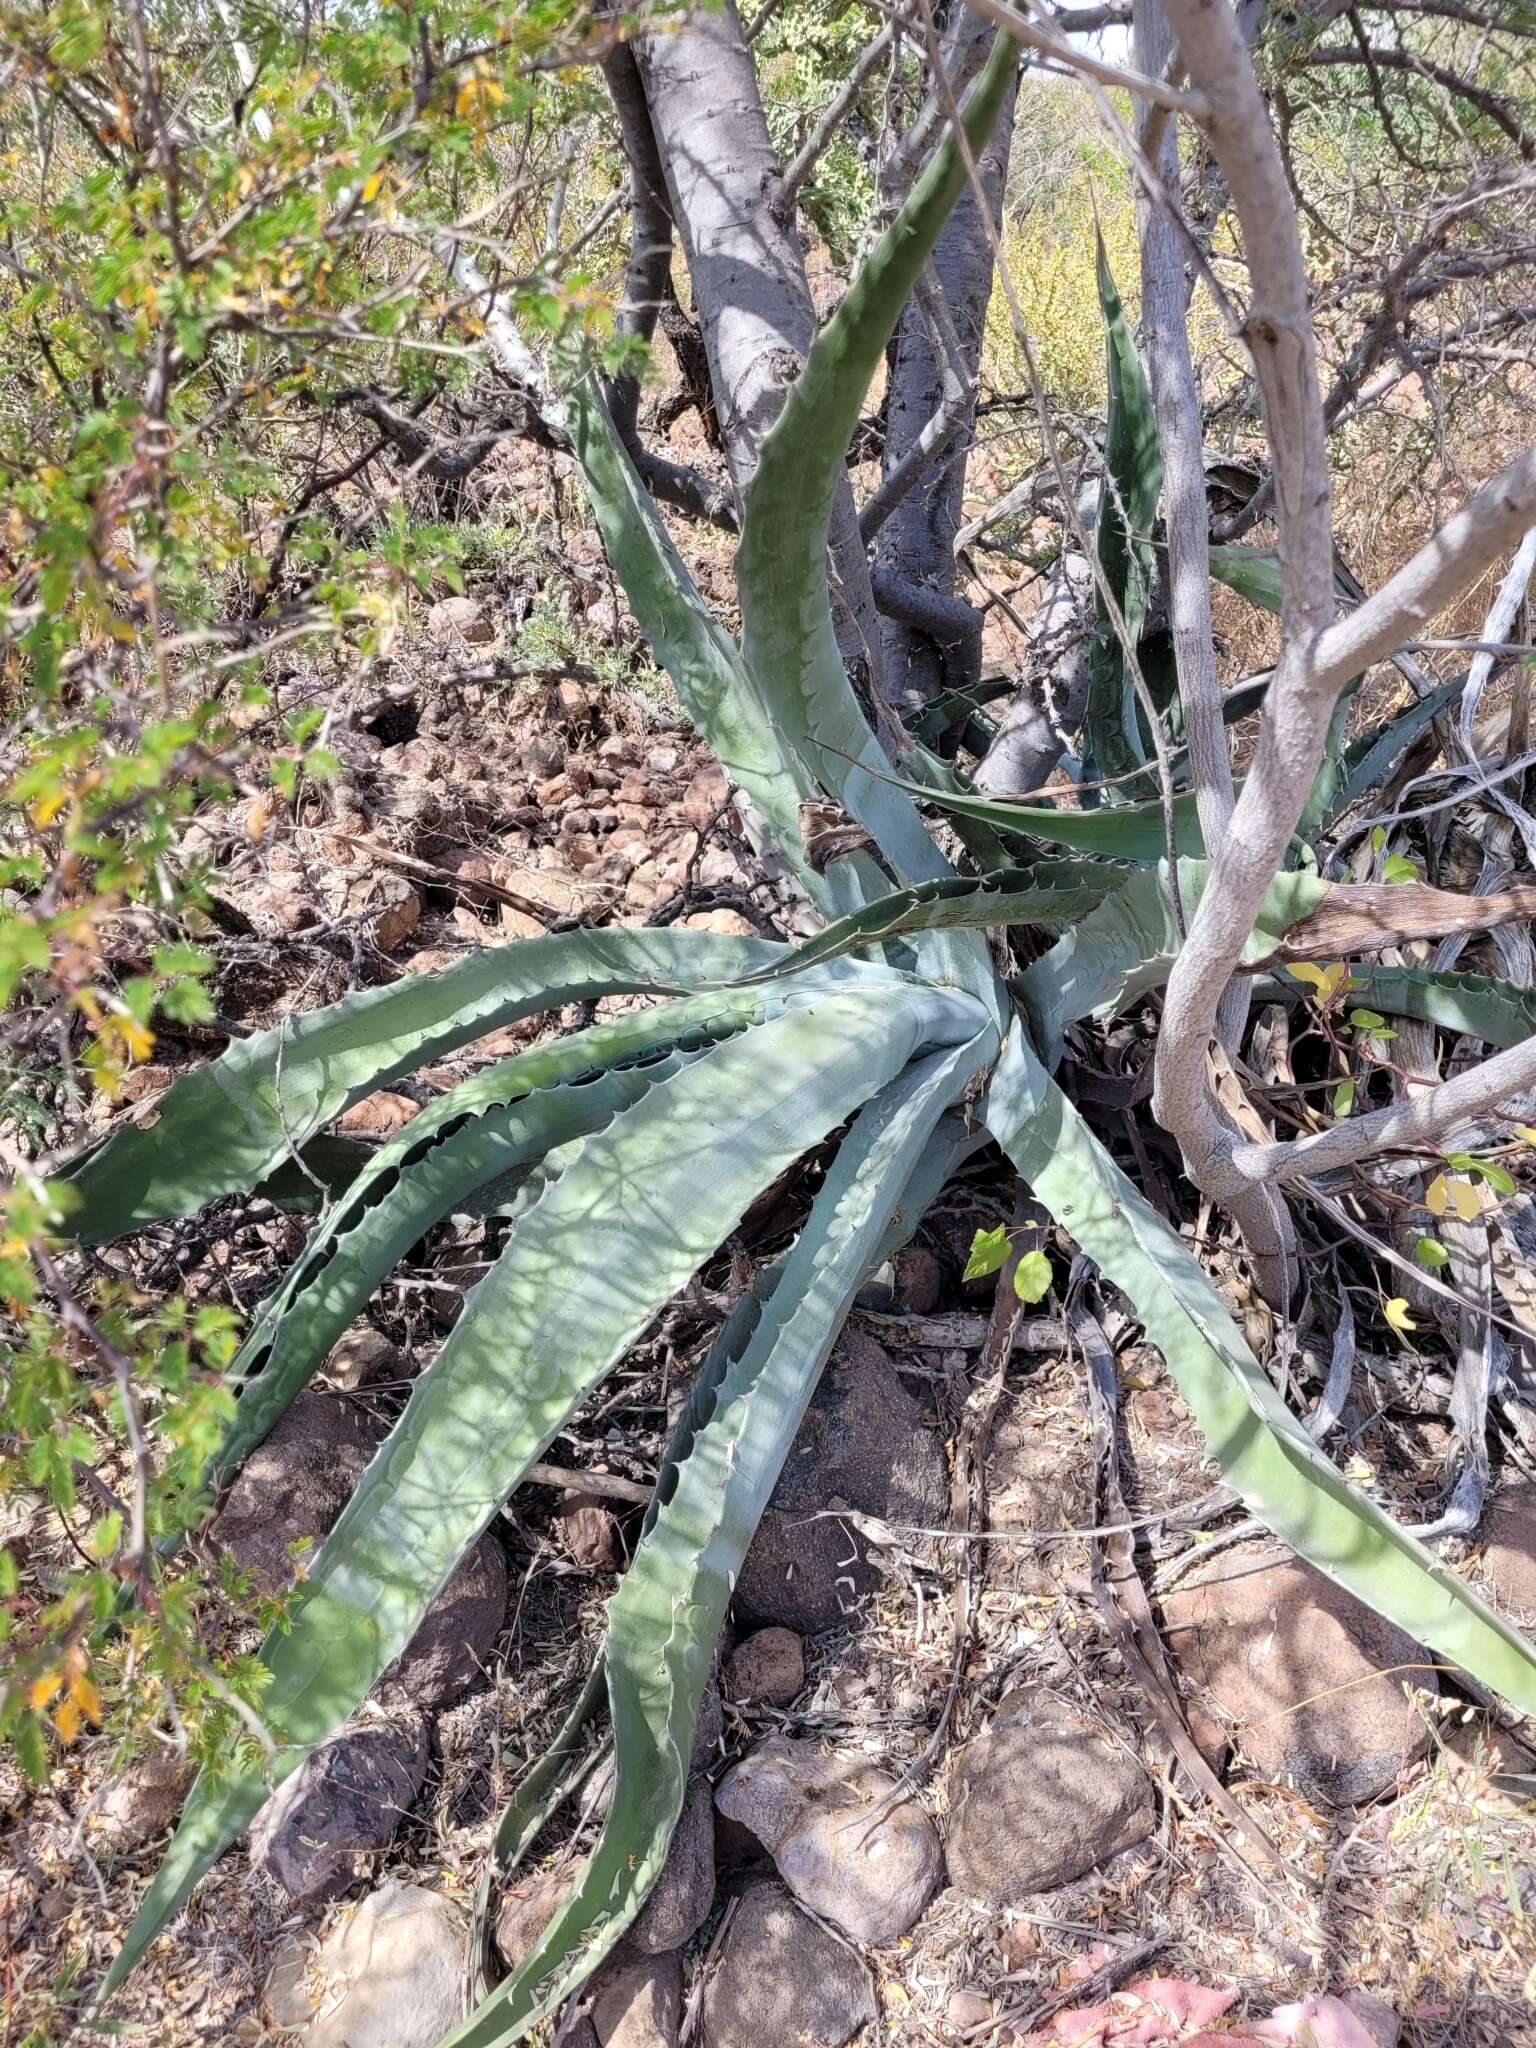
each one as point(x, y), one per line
point(1368, 758)
point(1133, 478)
point(989, 1251)
point(496, 1124)
point(652, 1194)
point(1367, 1020)
point(1127, 945)
point(1124, 832)
point(1262, 1450)
point(664, 1621)
point(1032, 1277)
point(1477, 1004)
point(788, 639)
point(1344, 1098)
point(1254, 573)
point(1396, 869)
point(225, 1126)
point(1053, 894)
point(31, 1740)
point(1429, 1251)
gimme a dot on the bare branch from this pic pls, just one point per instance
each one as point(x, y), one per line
point(1418, 1124)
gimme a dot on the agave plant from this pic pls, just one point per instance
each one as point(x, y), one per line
point(633, 1148)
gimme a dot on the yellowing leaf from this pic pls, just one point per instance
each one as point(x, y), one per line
point(1396, 1313)
point(67, 1720)
point(1525, 1134)
point(1437, 1195)
point(1326, 980)
point(477, 92)
point(42, 1689)
point(84, 1695)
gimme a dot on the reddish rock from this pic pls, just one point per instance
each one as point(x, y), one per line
point(1309, 1681)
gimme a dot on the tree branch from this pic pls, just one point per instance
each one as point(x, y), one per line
point(1417, 1124)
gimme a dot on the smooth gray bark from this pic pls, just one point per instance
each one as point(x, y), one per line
point(916, 541)
point(750, 293)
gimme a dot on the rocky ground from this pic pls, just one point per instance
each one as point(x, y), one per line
point(938, 1793)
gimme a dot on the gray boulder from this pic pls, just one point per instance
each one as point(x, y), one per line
point(341, 1805)
point(862, 1444)
point(393, 1973)
point(1039, 1798)
point(783, 1979)
point(867, 1866)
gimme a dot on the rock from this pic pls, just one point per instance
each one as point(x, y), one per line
point(781, 1978)
point(526, 1909)
point(731, 922)
point(573, 701)
point(1509, 1557)
point(589, 1532)
point(1309, 1679)
point(705, 795)
point(377, 1116)
point(292, 1487)
point(457, 1635)
point(769, 1666)
point(145, 1799)
point(454, 619)
point(1039, 1798)
point(343, 1803)
point(965, 2009)
point(870, 1874)
point(919, 1278)
point(681, 1897)
point(637, 2000)
point(863, 1443)
point(393, 1973)
point(364, 1357)
point(707, 1729)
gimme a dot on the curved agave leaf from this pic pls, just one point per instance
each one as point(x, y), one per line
point(1123, 832)
point(788, 639)
point(1253, 573)
point(665, 1618)
point(591, 1262)
point(1261, 1448)
point(716, 688)
point(1133, 479)
point(1052, 893)
point(508, 1117)
point(1478, 1004)
point(1128, 945)
point(221, 1129)
point(1367, 759)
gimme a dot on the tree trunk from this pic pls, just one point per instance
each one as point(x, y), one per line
point(916, 544)
point(748, 270)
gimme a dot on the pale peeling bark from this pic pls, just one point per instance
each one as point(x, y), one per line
point(753, 303)
point(916, 540)
point(1317, 657)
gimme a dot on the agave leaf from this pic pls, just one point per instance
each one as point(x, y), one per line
point(508, 1117)
point(1367, 759)
point(1127, 832)
point(1052, 893)
point(590, 1263)
point(1261, 1448)
point(1128, 945)
point(665, 1618)
point(1497, 1011)
point(716, 688)
point(226, 1126)
point(1253, 573)
point(787, 633)
point(1133, 478)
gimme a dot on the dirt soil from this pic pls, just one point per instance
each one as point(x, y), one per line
point(474, 808)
